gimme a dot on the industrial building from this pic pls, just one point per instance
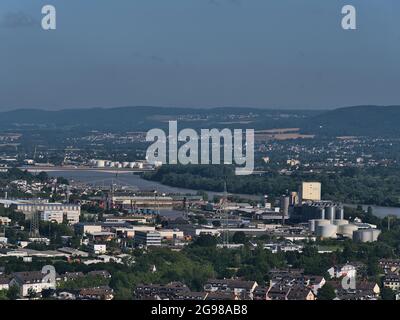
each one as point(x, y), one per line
point(340, 228)
point(308, 210)
point(310, 191)
point(133, 201)
point(148, 238)
point(71, 212)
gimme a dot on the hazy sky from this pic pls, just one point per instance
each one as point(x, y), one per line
point(199, 53)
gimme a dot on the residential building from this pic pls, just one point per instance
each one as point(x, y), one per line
point(32, 281)
point(236, 286)
point(392, 281)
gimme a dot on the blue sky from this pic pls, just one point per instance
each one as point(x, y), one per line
point(199, 53)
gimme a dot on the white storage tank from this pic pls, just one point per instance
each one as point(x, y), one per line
point(340, 222)
point(311, 225)
point(326, 231)
point(363, 235)
point(347, 230)
point(321, 222)
point(375, 234)
point(366, 235)
point(100, 163)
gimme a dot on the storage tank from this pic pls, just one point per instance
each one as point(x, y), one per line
point(322, 213)
point(340, 222)
point(125, 164)
point(347, 230)
point(330, 213)
point(375, 234)
point(132, 165)
point(339, 213)
point(311, 225)
point(326, 231)
point(321, 222)
point(100, 163)
point(285, 205)
point(363, 235)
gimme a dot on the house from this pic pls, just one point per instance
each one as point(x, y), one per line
point(34, 281)
point(235, 286)
point(97, 293)
point(392, 281)
point(170, 291)
point(390, 265)
point(363, 290)
point(190, 295)
point(299, 292)
point(98, 248)
point(285, 276)
point(260, 293)
point(100, 273)
point(71, 276)
point(368, 288)
point(314, 282)
point(221, 296)
point(278, 292)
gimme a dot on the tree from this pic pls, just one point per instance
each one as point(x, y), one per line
point(216, 223)
point(327, 292)
point(387, 294)
point(3, 295)
point(13, 292)
point(239, 237)
point(205, 240)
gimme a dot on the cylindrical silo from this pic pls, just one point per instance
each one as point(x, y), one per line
point(285, 205)
point(375, 234)
point(340, 222)
point(320, 222)
point(125, 164)
point(339, 213)
point(330, 213)
point(322, 213)
point(347, 230)
point(311, 225)
point(363, 235)
point(326, 231)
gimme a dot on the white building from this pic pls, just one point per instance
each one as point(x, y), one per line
point(52, 216)
point(98, 248)
point(148, 238)
point(5, 221)
point(70, 211)
point(32, 281)
point(4, 283)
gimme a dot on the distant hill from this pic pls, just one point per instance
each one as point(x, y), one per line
point(359, 120)
point(144, 118)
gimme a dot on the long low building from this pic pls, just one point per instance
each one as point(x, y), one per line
point(71, 212)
